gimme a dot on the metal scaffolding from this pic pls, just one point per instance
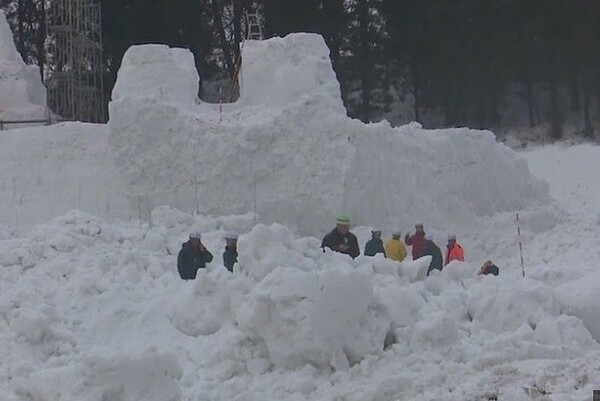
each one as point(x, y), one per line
point(75, 83)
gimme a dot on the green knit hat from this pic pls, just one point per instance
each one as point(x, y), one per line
point(342, 219)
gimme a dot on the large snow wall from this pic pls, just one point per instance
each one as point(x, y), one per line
point(48, 171)
point(288, 151)
point(22, 94)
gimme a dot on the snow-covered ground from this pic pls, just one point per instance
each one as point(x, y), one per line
point(92, 308)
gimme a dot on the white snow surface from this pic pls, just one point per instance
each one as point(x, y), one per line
point(288, 151)
point(22, 94)
point(46, 172)
point(92, 308)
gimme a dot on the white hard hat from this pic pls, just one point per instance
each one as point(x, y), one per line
point(231, 235)
point(195, 235)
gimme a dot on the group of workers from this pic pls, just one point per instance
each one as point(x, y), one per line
point(340, 239)
point(194, 255)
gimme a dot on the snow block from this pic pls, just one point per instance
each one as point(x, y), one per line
point(526, 301)
point(157, 73)
point(328, 318)
point(268, 65)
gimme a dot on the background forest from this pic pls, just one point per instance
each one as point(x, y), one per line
point(496, 64)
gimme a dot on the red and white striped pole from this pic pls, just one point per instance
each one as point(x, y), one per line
point(220, 104)
point(520, 246)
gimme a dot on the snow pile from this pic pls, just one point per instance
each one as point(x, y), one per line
point(95, 310)
point(288, 151)
point(318, 303)
point(22, 94)
point(528, 302)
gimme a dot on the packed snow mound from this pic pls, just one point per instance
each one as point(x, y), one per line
point(99, 304)
point(22, 94)
point(288, 151)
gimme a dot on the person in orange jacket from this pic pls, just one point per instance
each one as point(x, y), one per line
point(454, 250)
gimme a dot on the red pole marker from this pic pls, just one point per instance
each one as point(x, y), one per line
point(220, 104)
point(520, 246)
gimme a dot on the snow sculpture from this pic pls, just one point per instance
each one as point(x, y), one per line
point(288, 151)
point(22, 94)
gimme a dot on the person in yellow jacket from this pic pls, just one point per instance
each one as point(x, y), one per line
point(395, 248)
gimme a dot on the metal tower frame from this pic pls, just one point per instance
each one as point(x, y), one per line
point(75, 81)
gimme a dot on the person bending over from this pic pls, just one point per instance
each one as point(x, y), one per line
point(375, 244)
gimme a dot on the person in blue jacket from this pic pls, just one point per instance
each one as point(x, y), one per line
point(375, 244)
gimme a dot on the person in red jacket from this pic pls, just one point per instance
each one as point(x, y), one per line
point(488, 268)
point(454, 250)
point(417, 241)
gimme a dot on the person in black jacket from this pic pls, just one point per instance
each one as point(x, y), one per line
point(375, 244)
point(431, 249)
point(340, 239)
point(192, 256)
point(230, 255)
